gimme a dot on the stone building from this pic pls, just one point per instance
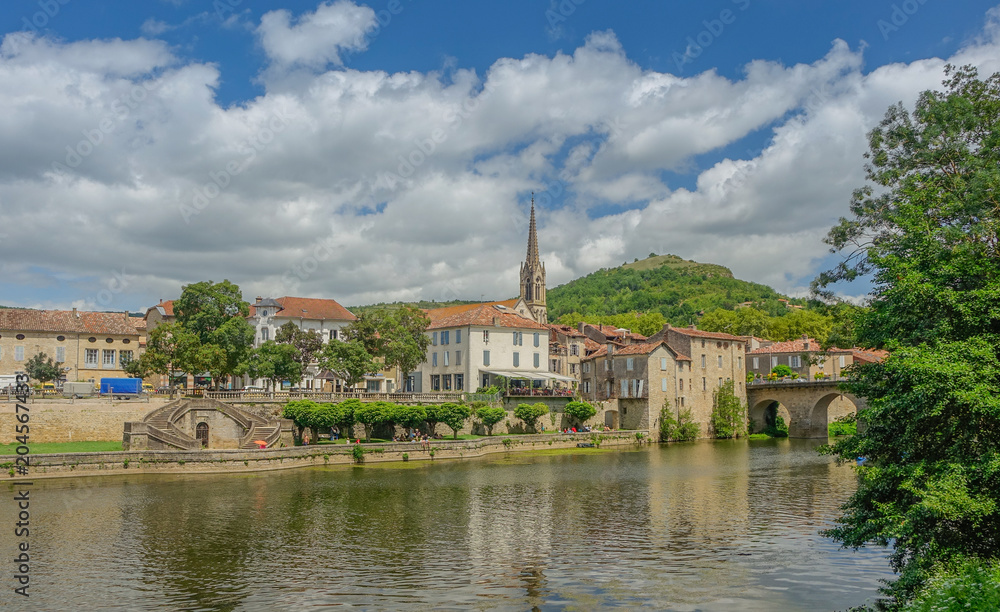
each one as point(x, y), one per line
point(87, 346)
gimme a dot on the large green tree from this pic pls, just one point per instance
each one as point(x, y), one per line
point(204, 307)
point(396, 335)
point(926, 230)
point(308, 342)
point(275, 362)
point(349, 360)
point(42, 368)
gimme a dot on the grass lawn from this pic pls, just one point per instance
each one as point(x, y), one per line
point(64, 447)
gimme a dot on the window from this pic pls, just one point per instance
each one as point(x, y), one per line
point(536, 359)
point(60, 338)
point(630, 364)
point(446, 358)
point(124, 357)
point(458, 336)
point(681, 381)
point(663, 384)
point(434, 359)
point(434, 339)
point(486, 359)
point(20, 336)
point(586, 368)
point(795, 361)
point(586, 386)
point(19, 353)
point(90, 358)
point(720, 381)
point(720, 361)
point(739, 363)
point(607, 364)
point(703, 360)
point(444, 337)
point(264, 332)
point(486, 336)
point(682, 401)
point(774, 362)
point(515, 338)
point(446, 380)
point(574, 349)
point(536, 339)
point(663, 364)
point(756, 363)
point(435, 382)
point(60, 354)
point(517, 359)
point(109, 340)
point(704, 384)
point(109, 358)
point(572, 368)
point(459, 378)
point(333, 334)
point(624, 388)
point(843, 360)
point(458, 357)
point(702, 344)
point(263, 313)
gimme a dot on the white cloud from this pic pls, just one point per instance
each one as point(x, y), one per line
point(316, 39)
point(412, 184)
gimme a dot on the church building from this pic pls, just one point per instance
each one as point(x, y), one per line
point(533, 278)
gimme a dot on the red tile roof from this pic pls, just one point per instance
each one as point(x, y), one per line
point(27, 320)
point(484, 315)
point(310, 308)
point(791, 346)
point(168, 307)
point(566, 330)
point(697, 333)
point(435, 314)
point(644, 348)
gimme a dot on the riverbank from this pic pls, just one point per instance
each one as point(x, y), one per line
point(63, 465)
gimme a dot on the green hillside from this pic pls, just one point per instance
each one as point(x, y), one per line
point(678, 289)
point(424, 304)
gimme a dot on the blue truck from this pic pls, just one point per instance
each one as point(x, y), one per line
point(121, 388)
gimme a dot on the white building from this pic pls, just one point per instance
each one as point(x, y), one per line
point(326, 317)
point(472, 345)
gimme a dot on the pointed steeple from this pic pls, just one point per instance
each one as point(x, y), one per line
point(532, 257)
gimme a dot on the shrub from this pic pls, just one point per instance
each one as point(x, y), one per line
point(454, 416)
point(406, 456)
point(729, 414)
point(846, 425)
point(779, 429)
point(680, 429)
point(964, 584)
point(782, 371)
point(358, 452)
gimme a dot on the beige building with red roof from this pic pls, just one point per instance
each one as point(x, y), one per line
point(807, 359)
point(87, 346)
point(474, 344)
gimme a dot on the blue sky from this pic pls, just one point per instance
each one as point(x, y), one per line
point(723, 131)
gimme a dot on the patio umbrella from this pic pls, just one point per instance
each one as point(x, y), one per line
point(261, 443)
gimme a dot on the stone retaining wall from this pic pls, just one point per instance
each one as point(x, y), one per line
point(76, 421)
point(211, 461)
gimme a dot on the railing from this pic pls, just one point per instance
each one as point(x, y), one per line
point(540, 393)
point(173, 439)
point(763, 382)
point(328, 396)
point(490, 398)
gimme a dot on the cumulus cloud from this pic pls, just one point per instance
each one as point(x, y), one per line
point(369, 186)
point(316, 39)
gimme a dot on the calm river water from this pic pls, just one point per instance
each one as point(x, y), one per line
point(697, 526)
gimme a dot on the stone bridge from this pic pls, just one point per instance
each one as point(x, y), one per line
point(808, 407)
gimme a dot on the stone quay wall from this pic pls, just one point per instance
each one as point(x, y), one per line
point(238, 460)
point(77, 420)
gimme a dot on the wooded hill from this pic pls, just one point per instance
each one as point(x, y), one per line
point(677, 288)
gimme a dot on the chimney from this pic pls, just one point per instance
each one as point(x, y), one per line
point(258, 300)
point(805, 342)
point(580, 326)
point(74, 312)
point(692, 326)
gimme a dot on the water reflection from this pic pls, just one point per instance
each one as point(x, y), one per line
point(706, 526)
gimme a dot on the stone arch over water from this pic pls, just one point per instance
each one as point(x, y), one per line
point(764, 413)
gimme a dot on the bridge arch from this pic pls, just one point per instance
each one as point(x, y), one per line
point(811, 405)
point(763, 413)
point(827, 409)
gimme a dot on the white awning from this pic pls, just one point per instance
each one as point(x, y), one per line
point(531, 375)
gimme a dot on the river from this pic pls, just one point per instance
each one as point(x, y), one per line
point(694, 526)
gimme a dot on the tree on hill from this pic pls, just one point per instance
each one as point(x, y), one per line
point(926, 230)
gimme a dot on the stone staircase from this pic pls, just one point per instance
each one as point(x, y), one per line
point(160, 424)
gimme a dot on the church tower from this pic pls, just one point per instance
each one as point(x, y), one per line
point(533, 275)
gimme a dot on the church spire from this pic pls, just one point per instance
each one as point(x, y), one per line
point(532, 257)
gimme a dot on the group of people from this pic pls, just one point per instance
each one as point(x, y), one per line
point(583, 429)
